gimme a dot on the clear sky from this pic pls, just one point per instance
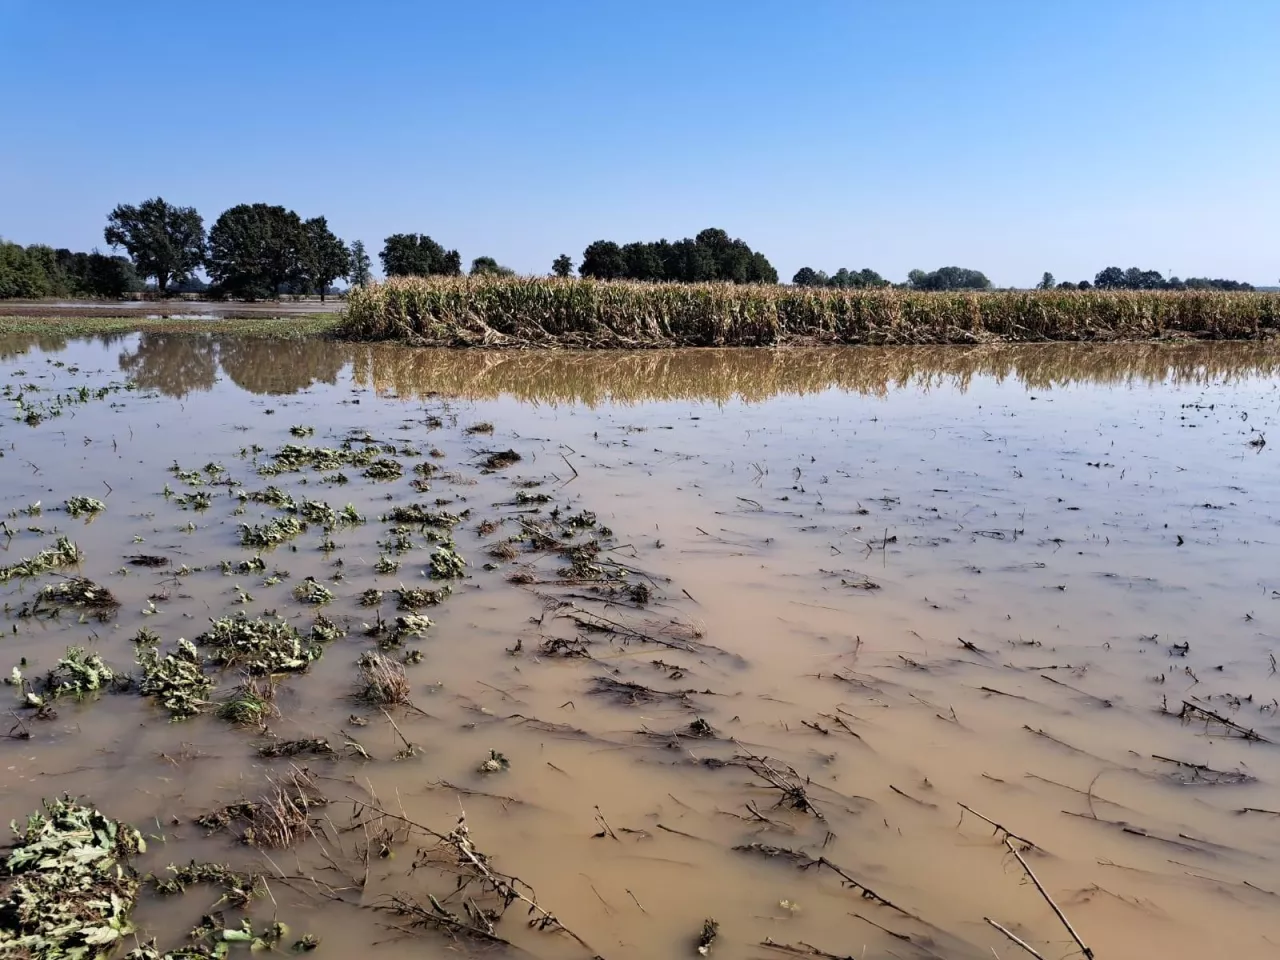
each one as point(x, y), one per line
point(1012, 137)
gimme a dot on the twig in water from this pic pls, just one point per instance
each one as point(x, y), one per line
point(1001, 830)
point(1014, 939)
point(1049, 900)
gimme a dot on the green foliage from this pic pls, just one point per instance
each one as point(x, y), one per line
point(1047, 282)
point(844, 279)
point(63, 553)
point(1113, 278)
point(562, 266)
point(84, 506)
point(164, 241)
point(256, 250)
point(491, 267)
point(710, 256)
point(40, 271)
point(948, 278)
point(446, 564)
point(68, 887)
point(260, 647)
point(325, 258)
point(417, 255)
point(361, 274)
point(175, 680)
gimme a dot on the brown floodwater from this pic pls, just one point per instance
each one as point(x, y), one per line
point(915, 578)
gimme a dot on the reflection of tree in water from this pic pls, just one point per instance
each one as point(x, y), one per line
point(173, 363)
point(16, 344)
point(280, 366)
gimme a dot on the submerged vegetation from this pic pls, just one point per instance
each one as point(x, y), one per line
point(498, 311)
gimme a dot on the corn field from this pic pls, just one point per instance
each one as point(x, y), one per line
point(545, 312)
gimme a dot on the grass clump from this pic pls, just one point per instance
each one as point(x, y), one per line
point(415, 598)
point(292, 458)
point(382, 681)
point(312, 591)
point(76, 592)
point(272, 496)
point(421, 514)
point(384, 468)
point(176, 681)
point(68, 887)
point(249, 704)
point(77, 674)
point(84, 506)
point(63, 553)
point(260, 647)
point(446, 564)
point(280, 818)
point(270, 534)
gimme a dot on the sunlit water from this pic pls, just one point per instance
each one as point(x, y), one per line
point(925, 577)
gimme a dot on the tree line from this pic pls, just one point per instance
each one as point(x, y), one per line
point(1113, 278)
point(259, 251)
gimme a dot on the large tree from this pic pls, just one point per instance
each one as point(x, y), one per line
point(417, 255)
point(948, 278)
point(325, 258)
point(711, 255)
point(256, 250)
point(361, 275)
point(164, 241)
point(488, 266)
point(562, 266)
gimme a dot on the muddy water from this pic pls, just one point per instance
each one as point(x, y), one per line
point(919, 578)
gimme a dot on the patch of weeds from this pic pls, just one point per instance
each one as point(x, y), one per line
point(381, 680)
point(399, 540)
point(272, 497)
point(273, 532)
point(324, 630)
point(301, 431)
point(75, 592)
point(199, 500)
point(446, 564)
point(525, 499)
point(260, 647)
point(63, 553)
point(415, 598)
point(504, 549)
point(176, 681)
point(371, 598)
point(276, 748)
point(238, 889)
point(338, 478)
point(281, 818)
point(68, 886)
point(494, 763)
point(426, 469)
point(292, 457)
point(483, 427)
point(146, 560)
point(249, 704)
point(77, 674)
point(384, 468)
point(312, 591)
point(501, 459)
point(421, 514)
point(84, 506)
point(386, 565)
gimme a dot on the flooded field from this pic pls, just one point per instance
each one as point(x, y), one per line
point(859, 653)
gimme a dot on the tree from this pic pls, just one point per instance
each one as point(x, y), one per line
point(417, 255)
point(1084, 285)
point(1110, 278)
point(164, 241)
point(562, 266)
point(948, 278)
point(712, 255)
point(361, 275)
point(806, 277)
point(1066, 285)
point(325, 258)
point(603, 260)
point(487, 266)
point(256, 250)
point(21, 275)
point(1046, 282)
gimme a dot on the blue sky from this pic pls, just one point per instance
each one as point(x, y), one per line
point(1013, 137)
